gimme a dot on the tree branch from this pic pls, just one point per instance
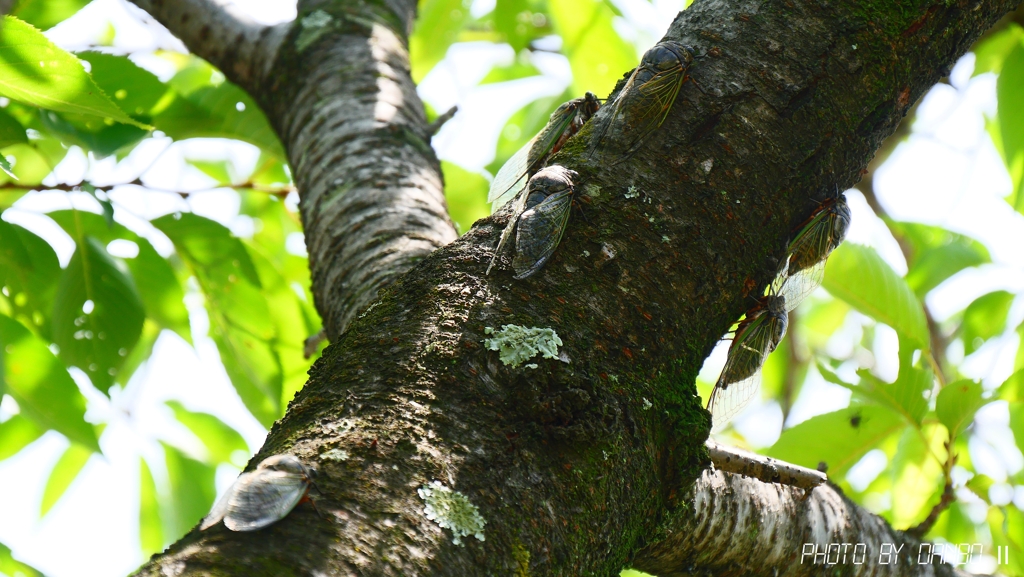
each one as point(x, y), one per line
point(220, 33)
point(735, 525)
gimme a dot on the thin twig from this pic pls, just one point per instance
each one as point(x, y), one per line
point(733, 460)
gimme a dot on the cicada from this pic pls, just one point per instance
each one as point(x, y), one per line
point(564, 122)
point(648, 95)
point(814, 241)
point(263, 496)
point(539, 220)
point(757, 335)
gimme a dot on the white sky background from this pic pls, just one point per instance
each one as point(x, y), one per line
point(947, 173)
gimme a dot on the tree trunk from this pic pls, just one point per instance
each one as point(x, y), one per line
point(585, 463)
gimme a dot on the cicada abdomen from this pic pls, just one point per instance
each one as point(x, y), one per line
point(648, 95)
point(757, 335)
point(564, 123)
point(814, 241)
point(263, 496)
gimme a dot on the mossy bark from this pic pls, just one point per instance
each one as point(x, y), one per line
point(580, 463)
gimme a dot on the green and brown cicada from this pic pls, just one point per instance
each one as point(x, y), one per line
point(648, 95)
point(564, 122)
point(814, 241)
point(539, 219)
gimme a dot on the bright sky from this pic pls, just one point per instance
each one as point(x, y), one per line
point(947, 173)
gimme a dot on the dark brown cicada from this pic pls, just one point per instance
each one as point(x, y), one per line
point(814, 240)
point(539, 219)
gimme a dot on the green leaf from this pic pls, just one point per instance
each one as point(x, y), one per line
point(937, 254)
point(904, 397)
point(208, 106)
point(63, 473)
point(985, 318)
point(1009, 87)
point(437, 27)
point(45, 14)
point(151, 534)
point(11, 566)
point(979, 485)
point(1006, 524)
point(956, 405)
point(597, 55)
point(98, 315)
point(42, 386)
point(11, 131)
point(217, 170)
point(29, 269)
point(917, 476)
point(136, 91)
point(992, 51)
point(92, 133)
point(517, 24)
point(857, 275)
point(35, 71)
point(33, 162)
point(158, 286)
point(192, 491)
point(5, 165)
point(839, 438)
point(514, 71)
point(17, 433)
point(466, 193)
point(240, 320)
point(221, 441)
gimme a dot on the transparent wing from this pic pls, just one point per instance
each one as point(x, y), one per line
point(539, 231)
point(220, 508)
point(651, 104)
point(507, 234)
point(511, 178)
point(741, 376)
point(514, 174)
point(799, 286)
point(616, 110)
point(266, 497)
point(815, 241)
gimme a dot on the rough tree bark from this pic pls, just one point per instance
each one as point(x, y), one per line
point(584, 466)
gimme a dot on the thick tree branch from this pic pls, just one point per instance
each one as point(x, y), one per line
point(574, 465)
point(733, 525)
point(220, 33)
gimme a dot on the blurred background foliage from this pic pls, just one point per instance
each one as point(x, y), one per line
point(90, 281)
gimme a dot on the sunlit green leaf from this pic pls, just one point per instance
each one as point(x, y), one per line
point(1006, 525)
point(42, 386)
point(11, 566)
point(860, 277)
point(98, 314)
point(597, 55)
point(904, 397)
point(1009, 87)
point(44, 14)
point(33, 162)
point(937, 254)
point(11, 131)
point(91, 133)
point(151, 534)
point(29, 270)
point(956, 404)
point(466, 193)
point(221, 441)
point(438, 23)
point(917, 475)
point(217, 170)
point(992, 51)
point(240, 320)
point(63, 473)
point(16, 433)
point(136, 91)
point(35, 71)
point(518, 23)
point(979, 485)
point(192, 491)
point(839, 439)
point(985, 318)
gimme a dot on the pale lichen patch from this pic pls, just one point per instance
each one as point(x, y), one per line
point(516, 344)
point(313, 25)
point(336, 455)
point(452, 510)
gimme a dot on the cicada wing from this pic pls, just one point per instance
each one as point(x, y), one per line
point(220, 508)
point(817, 239)
point(651, 104)
point(511, 178)
point(266, 497)
point(614, 117)
point(508, 233)
point(741, 376)
point(539, 231)
point(798, 287)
